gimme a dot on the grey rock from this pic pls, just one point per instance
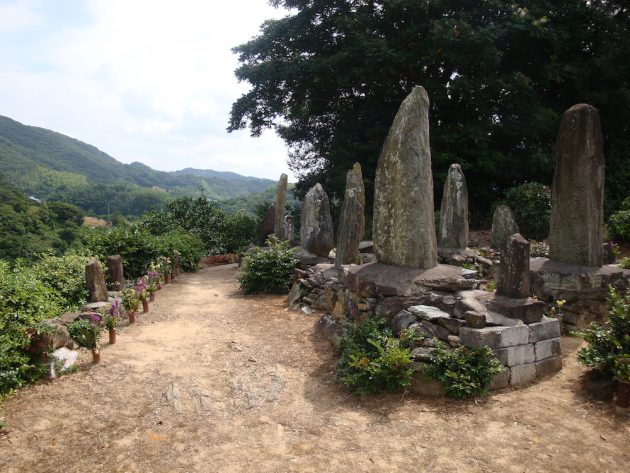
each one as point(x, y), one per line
point(115, 272)
point(95, 282)
point(422, 385)
point(503, 226)
point(66, 356)
point(289, 227)
point(351, 219)
point(548, 366)
point(527, 310)
point(514, 268)
point(295, 294)
point(522, 374)
point(331, 329)
point(427, 312)
point(454, 210)
point(281, 199)
point(423, 354)
point(402, 321)
point(454, 341)
point(517, 355)
point(544, 330)
point(547, 349)
point(451, 324)
point(494, 337)
point(316, 229)
point(404, 223)
point(475, 319)
point(500, 381)
point(366, 247)
point(577, 200)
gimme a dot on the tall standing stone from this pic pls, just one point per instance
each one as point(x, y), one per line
point(514, 268)
point(404, 223)
point(289, 227)
point(503, 226)
point(95, 282)
point(577, 199)
point(351, 219)
point(267, 226)
point(454, 210)
point(281, 199)
point(115, 272)
point(316, 229)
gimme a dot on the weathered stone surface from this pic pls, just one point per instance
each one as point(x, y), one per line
point(289, 227)
point(548, 366)
point(475, 319)
point(267, 225)
point(577, 200)
point(423, 354)
point(402, 321)
point(281, 200)
point(454, 210)
point(500, 381)
point(95, 282)
point(503, 226)
point(56, 336)
point(427, 312)
point(522, 374)
point(422, 385)
point(544, 330)
point(451, 324)
point(331, 329)
point(514, 268)
point(295, 294)
point(547, 349)
point(316, 229)
point(351, 219)
point(528, 310)
point(517, 355)
point(404, 223)
point(435, 330)
point(115, 272)
point(494, 337)
point(366, 246)
point(306, 258)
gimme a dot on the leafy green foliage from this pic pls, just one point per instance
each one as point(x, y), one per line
point(607, 343)
point(85, 332)
point(531, 204)
point(625, 263)
point(372, 359)
point(190, 248)
point(241, 230)
point(65, 275)
point(465, 371)
point(619, 222)
point(268, 270)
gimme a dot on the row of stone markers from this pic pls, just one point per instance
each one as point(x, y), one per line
point(409, 287)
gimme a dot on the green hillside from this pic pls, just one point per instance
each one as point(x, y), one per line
point(52, 166)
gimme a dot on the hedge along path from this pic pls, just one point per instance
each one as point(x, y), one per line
point(211, 380)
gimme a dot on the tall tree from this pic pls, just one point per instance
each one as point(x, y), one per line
point(330, 76)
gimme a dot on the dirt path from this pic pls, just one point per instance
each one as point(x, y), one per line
point(212, 381)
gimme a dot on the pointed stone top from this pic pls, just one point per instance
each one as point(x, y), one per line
point(454, 210)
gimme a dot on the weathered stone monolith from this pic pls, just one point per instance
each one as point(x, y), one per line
point(316, 229)
point(267, 226)
point(404, 222)
point(503, 226)
point(577, 199)
point(454, 210)
point(281, 199)
point(289, 227)
point(351, 219)
point(514, 268)
point(95, 282)
point(115, 272)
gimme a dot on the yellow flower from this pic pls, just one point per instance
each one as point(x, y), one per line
point(560, 303)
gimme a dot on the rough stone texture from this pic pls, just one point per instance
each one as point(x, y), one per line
point(402, 321)
point(500, 381)
point(427, 312)
point(584, 288)
point(404, 223)
point(503, 226)
point(331, 329)
point(577, 200)
point(289, 227)
point(475, 319)
point(494, 337)
point(528, 310)
point(514, 268)
point(522, 374)
point(517, 355)
point(95, 282)
point(295, 294)
point(454, 210)
point(547, 349)
point(422, 385)
point(281, 200)
point(267, 225)
point(316, 229)
point(544, 330)
point(548, 366)
point(115, 272)
point(306, 258)
point(351, 219)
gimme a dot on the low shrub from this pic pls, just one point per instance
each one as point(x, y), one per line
point(65, 275)
point(268, 270)
point(625, 263)
point(619, 222)
point(531, 204)
point(538, 248)
point(372, 359)
point(241, 230)
point(464, 371)
point(191, 249)
point(609, 342)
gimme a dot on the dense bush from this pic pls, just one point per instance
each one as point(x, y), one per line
point(191, 249)
point(240, 230)
point(268, 270)
point(610, 342)
point(619, 222)
point(465, 371)
point(531, 204)
point(372, 359)
point(65, 275)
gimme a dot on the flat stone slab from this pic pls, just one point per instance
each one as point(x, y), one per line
point(427, 312)
point(541, 264)
point(527, 310)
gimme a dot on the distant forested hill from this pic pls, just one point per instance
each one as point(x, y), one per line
point(52, 166)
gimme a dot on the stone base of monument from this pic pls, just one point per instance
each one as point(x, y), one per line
point(584, 288)
point(457, 256)
point(438, 303)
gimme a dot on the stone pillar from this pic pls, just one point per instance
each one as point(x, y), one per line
point(404, 222)
point(454, 211)
point(281, 200)
point(503, 226)
point(514, 268)
point(267, 226)
point(289, 227)
point(351, 219)
point(577, 199)
point(316, 229)
point(95, 282)
point(115, 271)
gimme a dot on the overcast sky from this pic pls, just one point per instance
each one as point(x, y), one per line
point(143, 80)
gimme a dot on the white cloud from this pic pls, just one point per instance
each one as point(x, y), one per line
point(151, 81)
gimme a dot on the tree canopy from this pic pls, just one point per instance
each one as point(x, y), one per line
point(330, 76)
